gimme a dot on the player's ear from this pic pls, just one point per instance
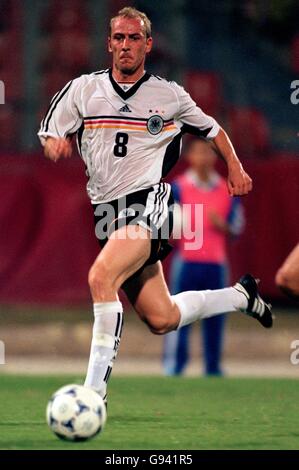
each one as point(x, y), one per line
point(109, 44)
point(149, 45)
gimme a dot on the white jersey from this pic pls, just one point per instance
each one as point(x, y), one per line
point(129, 140)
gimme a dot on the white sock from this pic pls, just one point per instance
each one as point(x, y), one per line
point(196, 305)
point(108, 321)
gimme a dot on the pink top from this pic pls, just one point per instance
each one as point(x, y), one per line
point(214, 198)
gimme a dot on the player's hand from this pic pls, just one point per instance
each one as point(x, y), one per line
point(239, 182)
point(57, 148)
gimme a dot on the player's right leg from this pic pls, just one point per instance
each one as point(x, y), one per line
point(125, 252)
point(121, 257)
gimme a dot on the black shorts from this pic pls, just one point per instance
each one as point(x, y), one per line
point(150, 208)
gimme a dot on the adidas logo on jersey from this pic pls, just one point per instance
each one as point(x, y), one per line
point(125, 109)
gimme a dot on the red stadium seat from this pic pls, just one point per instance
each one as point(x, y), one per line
point(69, 15)
point(69, 51)
point(11, 16)
point(284, 155)
point(9, 140)
point(10, 50)
point(249, 131)
point(115, 6)
point(11, 64)
point(13, 83)
point(6, 20)
point(206, 90)
point(53, 81)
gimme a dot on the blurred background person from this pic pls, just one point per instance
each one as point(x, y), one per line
point(207, 267)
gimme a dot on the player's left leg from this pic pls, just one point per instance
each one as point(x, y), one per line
point(186, 276)
point(162, 312)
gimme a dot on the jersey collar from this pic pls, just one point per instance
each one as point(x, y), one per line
point(127, 94)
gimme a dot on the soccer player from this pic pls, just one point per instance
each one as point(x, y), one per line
point(129, 125)
point(287, 276)
point(205, 266)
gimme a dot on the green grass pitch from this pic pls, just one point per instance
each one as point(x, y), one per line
point(161, 413)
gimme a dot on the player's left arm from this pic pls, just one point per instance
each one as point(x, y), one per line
point(195, 121)
point(238, 181)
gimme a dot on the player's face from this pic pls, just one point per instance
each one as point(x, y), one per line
point(128, 45)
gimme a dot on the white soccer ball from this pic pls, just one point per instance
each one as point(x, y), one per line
point(76, 413)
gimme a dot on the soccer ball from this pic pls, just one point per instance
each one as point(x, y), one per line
point(76, 413)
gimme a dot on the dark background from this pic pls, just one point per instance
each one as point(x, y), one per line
point(237, 59)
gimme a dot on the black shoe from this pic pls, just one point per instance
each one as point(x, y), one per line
point(257, 307)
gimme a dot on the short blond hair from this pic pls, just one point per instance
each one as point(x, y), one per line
point(131, 12)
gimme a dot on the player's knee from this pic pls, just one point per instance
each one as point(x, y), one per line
point(159, 325)
point(99, 277)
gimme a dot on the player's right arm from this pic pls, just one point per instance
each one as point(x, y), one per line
point(62, 119)
point(56, 148)
point(198, 123)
